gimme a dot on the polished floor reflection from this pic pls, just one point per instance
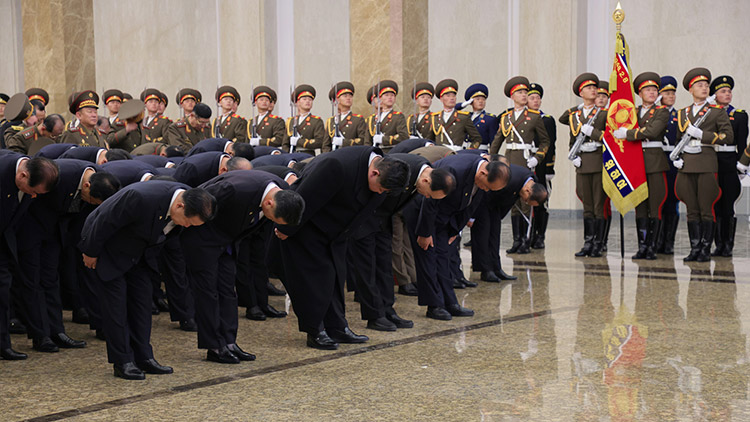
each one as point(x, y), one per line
point(573, 339)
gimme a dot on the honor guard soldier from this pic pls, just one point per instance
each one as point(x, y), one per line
point(419, 124)
point(163, 103)
point(187, 98)
point(671, 209)
point(452, 127)
point(154, 125)
point(191, 129)
point(267, 128)
point(229, 124)
point(20, 114)
point(703, 126)
point(42, 134)
point(133, 134)
point(304, 131)
point(386, 122)
point(652, 125)
point(126, 97)
point(545, 171)
point(588, 121)
point(345, 128)
point(726, 222)
point(3, 101)
point(113, 101)
point(39, 99)
point(486, 123)
point(84, 105)
point(520, 127)
point(602, 94)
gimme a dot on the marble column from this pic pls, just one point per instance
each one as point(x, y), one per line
point(58, 46)
point(388, 41)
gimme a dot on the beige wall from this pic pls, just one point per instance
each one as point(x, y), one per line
point(11, 47)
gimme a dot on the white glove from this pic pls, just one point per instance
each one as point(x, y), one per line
point(377, 140)
point(293, 140)
point(577, 162)
point(678, 163)
point(587, 129)
point(532, 162)
point(620, 133)
point(549, 177)
point(466, 103)
point(695, 132)
point(338, 141)
point(255, 141)
point(741, 167)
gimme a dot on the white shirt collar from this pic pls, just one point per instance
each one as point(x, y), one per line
point(18, 164)
point(222, 159)
point(80, 183)
point(174, 198)
point(226, 145)
point(373, 155)
point(99, 153)
point(421, 170)
point(146, 176)
point(270, 186)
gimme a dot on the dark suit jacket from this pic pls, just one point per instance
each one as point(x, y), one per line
point(262, 150)
point(82, 153)
point(199, 168)
point(278, 171)
point(206, 145)
point(279, 159)
point(122, 227)
point(53, 151)
point(10, 207)
point(409, 145)
point(153, 160)
point(128, 171)
point(503, 200)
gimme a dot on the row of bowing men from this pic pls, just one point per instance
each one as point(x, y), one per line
point(110, 227)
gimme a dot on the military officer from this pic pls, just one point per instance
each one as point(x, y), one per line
point(385, 121)
point(133, 134)
point(602, 94)
point(20, 114)
point(345, 128)
point(113, 101)
point(519, 128)
point(39, 98)
point(696, 185)
point(191, 129)
point(45, 132)
point(419, 124)
point(729, 183)
point(267, 128)
point(486, 123)
point(305, 132)
point(452, 127)
point(671, 209)
point(187, 98)
point(154, 125)
point(84, 105)
point(545, 171)
point(126, 97)
point(163, 103)
point(588, 120)
point(229, 124)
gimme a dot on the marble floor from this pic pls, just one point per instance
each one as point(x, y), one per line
point(572, 339)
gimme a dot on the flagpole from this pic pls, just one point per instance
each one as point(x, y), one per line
point(622, 237)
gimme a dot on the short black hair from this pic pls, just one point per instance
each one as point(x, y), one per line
point(51, 120)
point(200, 203)
point(244, 150)
point(235, 163)
point(289, 206)
point(497, 170)
point(42, 170)
point(174, 151)
point(118, 154)
point(38, 105)
point(298, 166)
point(442, 180)
point(394, 173)
point(103, 185)
point(538, 193)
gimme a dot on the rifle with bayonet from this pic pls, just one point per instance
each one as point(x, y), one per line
point(377, 139)
point(254, 139)
point(415, 123)
point(337, 141)
point(576, 148)
point(686, 138)
point(295, 134)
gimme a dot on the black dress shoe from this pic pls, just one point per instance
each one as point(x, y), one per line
point(16, 326)
point(189, 325)
point(255, 313)
point(489, 276)
point(274, 291)
point(272, 312)
point(64, 342)
point(502, 275)
point(347, 336)
point(222, 356)
point(241, 354)
point(467, 244)
point(436, 312)
point(321, 341)
point(162, 304)
point(100, 335)
point(457, 284)
point(10, 354)
point(458, 310)
point(151, 366)
point(80, 316)
point(44, 345)
point(408, 289)
point(129, 371)
point(400, 322)
point(466, 282)
point(381, 324)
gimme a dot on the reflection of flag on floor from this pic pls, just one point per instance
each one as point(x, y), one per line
point(623, 174)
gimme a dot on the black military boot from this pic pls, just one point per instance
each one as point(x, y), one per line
point(641, 229)
point(541, 219)
point(719, 237)
point(707, 238)
point(654, 225)
point(694, 232)
point(661, 235)
point(515, 223)
point(523, 228)
point(600, 229)
point(670, 229)
point(731, 228)
point(588, 237)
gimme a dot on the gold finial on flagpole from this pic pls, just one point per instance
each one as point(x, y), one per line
point(618, 16)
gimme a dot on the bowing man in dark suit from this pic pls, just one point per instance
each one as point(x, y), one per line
point(129, 171)
point(339, 188)
point(39, 248)
point(435, 224)
point(369, 250)
point(266, 150)
point(155, 160)
point(94, 155)
point(212, 144)
point(21, 179)
point(200, 168)
point(285, 159)
point(245, 199)
point(114, 240)
point(53, 151)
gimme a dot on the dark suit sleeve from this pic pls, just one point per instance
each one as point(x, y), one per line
point(111, 216)
point(427, 214)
